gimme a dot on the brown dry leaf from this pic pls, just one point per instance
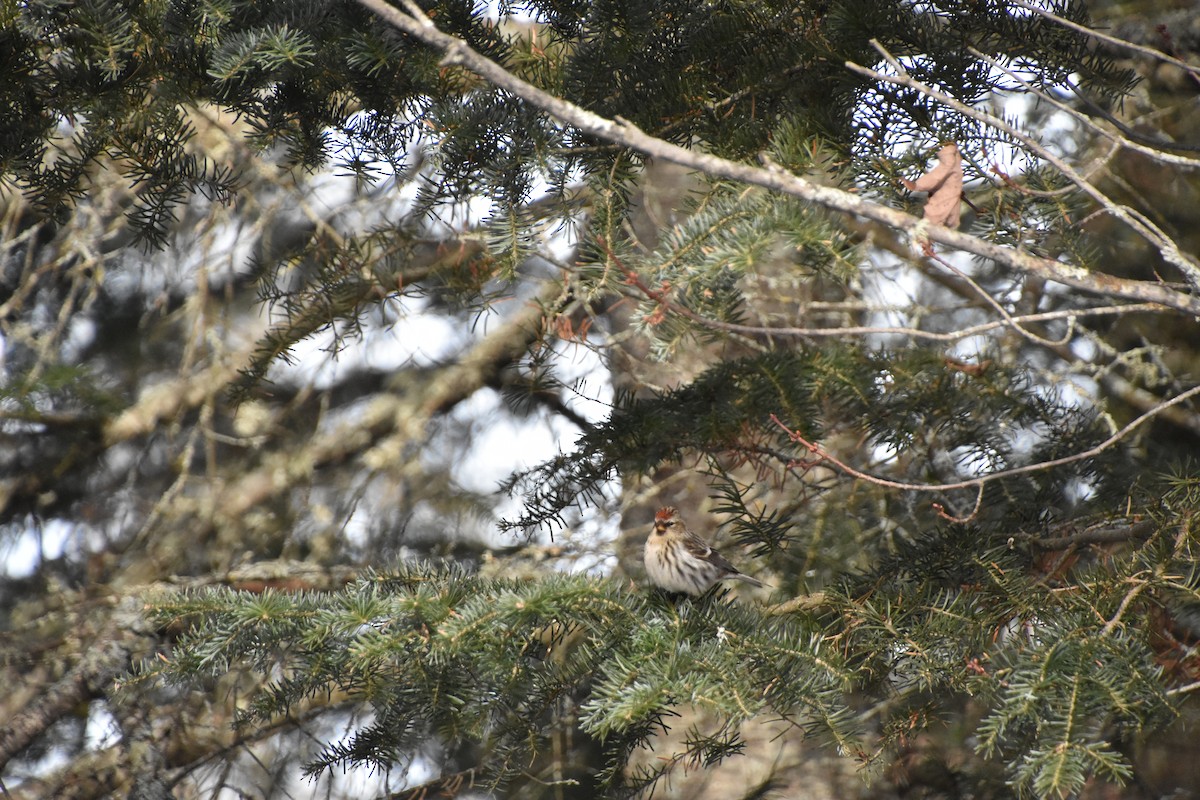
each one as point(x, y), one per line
point(944, 184)
point(974, 370)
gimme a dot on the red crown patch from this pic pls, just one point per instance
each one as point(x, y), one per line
point(664, 514)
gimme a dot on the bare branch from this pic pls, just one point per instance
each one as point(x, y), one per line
point(171, 398)
point(391, 422)
point(417, 25)
point(1185, 689)
point(1109, 534)
point(1001, 310)
point(1104, 37)
point(1123, 140)
point(1139, 398)
point(1134, 219)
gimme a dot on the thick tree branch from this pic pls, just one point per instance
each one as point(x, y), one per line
point(125, 634)
point(391, 422)
point(1111, 534)
point(50, 706)
point(623, 132)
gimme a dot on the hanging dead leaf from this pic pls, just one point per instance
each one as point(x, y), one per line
point(944, 184)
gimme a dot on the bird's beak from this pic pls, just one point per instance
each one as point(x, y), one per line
point(659, 527)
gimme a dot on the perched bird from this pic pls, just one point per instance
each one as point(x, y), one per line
point(678, 560)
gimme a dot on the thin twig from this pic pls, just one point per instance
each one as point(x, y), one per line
point(1105, 535)
point(978, 483)
point(1070, 315)
point(1138, 587)
point(1003, 312)
point(825, 455)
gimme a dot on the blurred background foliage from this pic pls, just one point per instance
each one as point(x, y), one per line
point(340, 388)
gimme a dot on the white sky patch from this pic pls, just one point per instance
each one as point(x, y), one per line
point(418, 337)
point(1084, 349)
point(1054, 129)
point(891, 286)
point(412, 336)
point(358, 526)
point(595, 534)
point(971, 349)
point(21, 555)
point(81, 333)
point(102, 730)
point(1079, 491)
point(524, 443)
point(1074, 390)
point(218, 241)
point(583, 370)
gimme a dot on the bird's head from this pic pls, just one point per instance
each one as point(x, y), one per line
point(666, 519)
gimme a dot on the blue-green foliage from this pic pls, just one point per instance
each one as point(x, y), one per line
point(435, 652)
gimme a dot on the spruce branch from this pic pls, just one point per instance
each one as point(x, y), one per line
point(729, 408)
point(438, 652)
point(621, 131)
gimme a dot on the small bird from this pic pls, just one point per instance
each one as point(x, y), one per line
point(678, 560)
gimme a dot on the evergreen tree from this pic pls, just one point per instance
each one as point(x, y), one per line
point(955, 447)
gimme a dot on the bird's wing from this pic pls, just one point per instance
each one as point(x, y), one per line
point(702, 550)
